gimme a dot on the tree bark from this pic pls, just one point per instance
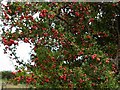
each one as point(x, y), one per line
point(118, 53)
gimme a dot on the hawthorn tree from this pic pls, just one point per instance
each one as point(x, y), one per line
point(73, 43)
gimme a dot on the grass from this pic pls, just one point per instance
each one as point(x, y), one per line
point(15, 86)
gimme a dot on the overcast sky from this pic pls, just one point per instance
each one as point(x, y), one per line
point(22, 51)
point(7, 64)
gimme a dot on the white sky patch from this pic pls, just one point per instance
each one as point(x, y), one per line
point(5, 62)
point(4, 2)
point(23, 51)
point(36, 15)
point(13, 29)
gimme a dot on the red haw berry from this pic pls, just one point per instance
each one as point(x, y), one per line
point(12, 41)
point(81, 81)
point(83, 27)
point(105, 35)
point(6, 47)
point(14, 73)
point(113, 15)
point(53, 66)
point(31, 17)
point(19, 8)
point(19, 71)
point(85, 75)
point(113, 5)
point(51, 16)
point(88, 79)
point(93, 84)
point(18, 79)
point(7, 18)
point(45, 34)
point(107, 61)
point(5, 13)
point(36, 59)
point(9, 11)
point(26, 40)
point(27, 17)
point(43, 13)
point(61, 77)
point(53, 58)
point(88, 37)
point(34, 27)
point(55, 32)
point(44, 29)
point(15, 43)
point(80, 5)
point(80, 53)
point(98, 78)
point(91, 20)
point(64, 77)
point(22, 17)
point(47, 80)
point(94, 56)
point(28, 81)
point(77, 14)
point(86, 56)
point(42, 83)
point(22, 77)
point(87, 12)
point(34, 81)
point(61, 67)
point(4, 40)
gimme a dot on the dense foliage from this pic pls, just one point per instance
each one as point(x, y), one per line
point(73, 43)
point(7, 75)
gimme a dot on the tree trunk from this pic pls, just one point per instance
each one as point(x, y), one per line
point(118, 53)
